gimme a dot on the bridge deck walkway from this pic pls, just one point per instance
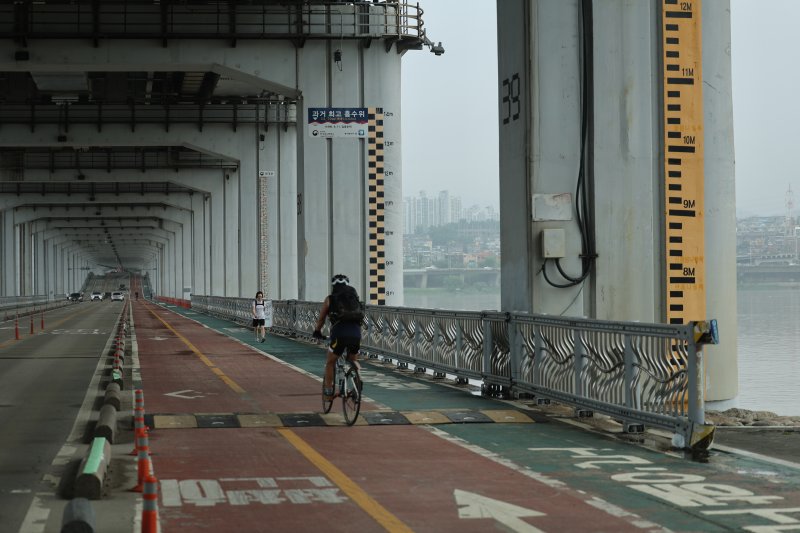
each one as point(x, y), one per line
point(239, 443)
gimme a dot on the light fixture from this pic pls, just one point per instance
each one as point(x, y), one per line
point(337, 58)
point(436, 49)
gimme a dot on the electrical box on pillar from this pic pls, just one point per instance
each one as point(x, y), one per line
point(553, 243)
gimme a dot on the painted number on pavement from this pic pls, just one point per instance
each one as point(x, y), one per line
point(247, 490)
point(78, 332)
point(686, 490)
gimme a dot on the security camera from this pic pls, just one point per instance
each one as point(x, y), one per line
point(437, 49)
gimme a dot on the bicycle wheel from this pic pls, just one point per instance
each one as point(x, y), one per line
point(327, 402)
point(351, 395)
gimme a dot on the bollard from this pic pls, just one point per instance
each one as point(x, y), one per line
point(143, 465)
point(78, 517)
point(42, 319)
point(16, 327)
point(116, 377)
point(31, 323)
point(113, 396)
point(106, 426)
point(150, 505)
point(93, 469)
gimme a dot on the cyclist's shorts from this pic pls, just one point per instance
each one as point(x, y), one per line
point(338, 345)
point(258, 322)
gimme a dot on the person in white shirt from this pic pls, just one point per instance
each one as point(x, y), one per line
point(259, 316)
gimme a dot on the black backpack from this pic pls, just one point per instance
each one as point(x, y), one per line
point(345, 307)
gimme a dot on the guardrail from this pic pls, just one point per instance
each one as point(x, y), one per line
point(14, 306)
point(133, 19)
point(642, 374)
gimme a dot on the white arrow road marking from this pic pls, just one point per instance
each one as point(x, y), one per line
point(477, 506)
point(181, 394)
point(159, 338)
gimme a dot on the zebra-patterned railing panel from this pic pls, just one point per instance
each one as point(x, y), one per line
point(641, 373)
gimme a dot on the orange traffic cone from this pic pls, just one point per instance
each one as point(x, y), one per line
point(143, 464)
point(150, 507)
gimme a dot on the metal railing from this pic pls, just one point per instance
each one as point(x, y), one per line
point(16, 306)
point(131, 19)
point(642, 374)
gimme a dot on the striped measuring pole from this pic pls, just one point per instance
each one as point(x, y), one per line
point(683, 160)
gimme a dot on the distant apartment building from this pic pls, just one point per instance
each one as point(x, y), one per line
point(420, 213)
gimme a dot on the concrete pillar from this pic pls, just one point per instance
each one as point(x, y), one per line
point(627, 134)
point(287, 214)
point(720, 201)
point(9, 255)
point(40, 285)
point(174, 259)
point(383, 91)
point(218, 245)
point(514, 21)
point(315, 209)
point(231, 223)
point(278, 156)
point(199, 245)
point(248, 216)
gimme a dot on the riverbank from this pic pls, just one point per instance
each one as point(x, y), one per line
point(736, 417)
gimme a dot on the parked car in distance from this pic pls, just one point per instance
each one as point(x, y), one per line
point(96, 296)
point(106, 296)
point(75, 297)
point(117, 296)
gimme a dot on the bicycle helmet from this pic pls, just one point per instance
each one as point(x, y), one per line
point(340, 278)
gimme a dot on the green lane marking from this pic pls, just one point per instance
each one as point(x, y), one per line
point(96, 456)
point(671, 491)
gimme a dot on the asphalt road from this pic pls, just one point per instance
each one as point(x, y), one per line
point(44, 379)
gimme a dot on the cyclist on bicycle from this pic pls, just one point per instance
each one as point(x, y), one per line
point(346, 314)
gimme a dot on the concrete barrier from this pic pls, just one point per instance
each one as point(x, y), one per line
point(116, 377)
point(78, 517)
point(113, 396)
point(107, 424)
point(92, 472)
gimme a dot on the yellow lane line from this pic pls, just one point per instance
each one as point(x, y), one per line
point(228, 381)
point(381, 515)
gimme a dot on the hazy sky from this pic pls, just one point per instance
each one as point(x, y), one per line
point(449, 118)
point(766, 104)
point(450, 131)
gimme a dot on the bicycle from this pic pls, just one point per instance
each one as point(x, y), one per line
point(347, 385)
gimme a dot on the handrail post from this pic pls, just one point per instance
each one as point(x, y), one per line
point(487, 345)
point(537, 354)
point(515, 345)
point(628, 378)
point(459, 343)
point(578, 356)
point(417, 335)
point(696, 379)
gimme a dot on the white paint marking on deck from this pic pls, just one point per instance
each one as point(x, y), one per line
point(476, 506)
point(36, 519)
point(249, 490)
point(185, 394)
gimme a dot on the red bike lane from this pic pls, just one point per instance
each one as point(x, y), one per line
point(270, 477)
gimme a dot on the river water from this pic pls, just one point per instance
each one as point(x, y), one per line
point(769, 340)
